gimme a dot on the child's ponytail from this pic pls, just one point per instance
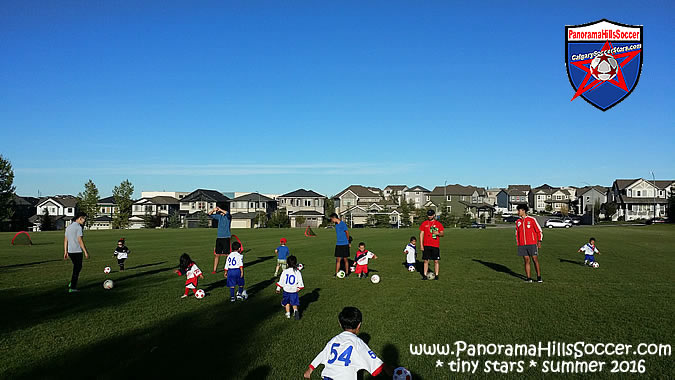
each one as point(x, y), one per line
point(292, 262)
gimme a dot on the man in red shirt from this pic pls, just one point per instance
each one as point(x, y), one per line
point(430, 233)
point(528, 238)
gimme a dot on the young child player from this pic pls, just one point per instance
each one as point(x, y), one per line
point(234, 272)
point(410, 253)
point(346, 354)
point(362, 257)
point(589, 249)
point(291, 283)
point(121, 253)
point(188, 268)
point(282, 252)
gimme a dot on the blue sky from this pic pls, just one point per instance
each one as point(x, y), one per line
point(272, 96)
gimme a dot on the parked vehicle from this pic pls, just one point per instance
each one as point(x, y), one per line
point(558, 223)
point(656, 220)
point(510, 218)
point(574, 219)
point(475, 224)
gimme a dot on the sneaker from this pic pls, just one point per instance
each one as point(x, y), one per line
point(436, 278)
point(296, 315)
point(424, 278)
point(232, 299)
point(183, 296)
point(214, 272)
point(539, 280)
point(288, 315)
point(528, 280)
point(73, 290)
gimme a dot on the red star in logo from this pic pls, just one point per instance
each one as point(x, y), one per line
point(620, 83)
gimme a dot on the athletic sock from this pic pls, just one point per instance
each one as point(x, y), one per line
point(232, 292)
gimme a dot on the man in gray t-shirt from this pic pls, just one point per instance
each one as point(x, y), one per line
point(73, 247)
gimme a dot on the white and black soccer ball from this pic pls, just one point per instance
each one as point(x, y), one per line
point(108, 284)
point(604, 67)
point(106, 270)
point(596, 265)
point(411, 268)
point(431, 275)
point(300, 266)
point(375, 279)
point(352, 269)
point(341, 274)
point(199, 294)
point(402, 373)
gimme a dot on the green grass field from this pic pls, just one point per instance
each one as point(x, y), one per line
point(142, 328)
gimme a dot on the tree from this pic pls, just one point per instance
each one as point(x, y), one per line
point(671, 207)
point(300, 220)
point(260, 219)
point(204, 221)
point(150, 221)
point(88, 202)
point(548, 208)
point(465, 220)
point(610, 210)
point(6, 189)
point(564, 210)
point(46, 223)
point(328, 208)
point(173, 221)
point(122, 195)
point(405, 213)
point(382, 220)
point(419, 216)
point(279, 219)
point(446, 218)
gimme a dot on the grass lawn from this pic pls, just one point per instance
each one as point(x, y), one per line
point(142, 328)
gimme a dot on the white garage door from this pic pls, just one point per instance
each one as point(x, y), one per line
point(240, 223)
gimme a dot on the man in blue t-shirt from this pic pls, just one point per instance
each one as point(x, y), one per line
point(224, 219)
point(342, 244)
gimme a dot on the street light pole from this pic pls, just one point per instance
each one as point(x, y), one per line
point(654, 183)
point(445, 195)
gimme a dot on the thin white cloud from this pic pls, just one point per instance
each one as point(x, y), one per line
point(230, 169)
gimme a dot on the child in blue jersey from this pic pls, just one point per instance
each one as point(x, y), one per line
point(589, 251)
point(291, 282)
point(282, 252)
point(234, 272)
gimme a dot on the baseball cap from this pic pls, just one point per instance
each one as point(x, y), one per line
point(431, 212)
point(283, 240)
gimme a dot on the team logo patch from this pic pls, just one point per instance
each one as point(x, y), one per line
point(604, 61)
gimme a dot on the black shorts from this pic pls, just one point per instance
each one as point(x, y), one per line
point(527, 250)
point(222, 246)
point(342, 251)
point(431, 253)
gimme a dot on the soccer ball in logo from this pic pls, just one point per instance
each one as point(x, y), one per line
point(106, 270)
point(199, 294)
point(604, 67)
point(401, 373)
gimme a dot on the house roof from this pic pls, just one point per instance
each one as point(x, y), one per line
point(418, 188)
point(643, 200)
point(253, 197)
point(396, 187)
point(624, 183)
point(205, 195)
point(302, 193)
point(159, 200)
point(107, 200)
point(662, 184)
point(64, 200)
point(103, 218)
point(307, 213)
point(557, 200)
point(458, 189)
point(37, 218)
point(585, 189)
point(361, 191)
point(25, 201)
point(481, 205)
point(516, 192)
point(244, 215)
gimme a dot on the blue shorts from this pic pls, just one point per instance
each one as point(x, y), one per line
point(290, 298)
point(234, 278)
point(589, 258)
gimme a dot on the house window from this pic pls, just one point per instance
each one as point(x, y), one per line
point(70, 210)
point(417, 193)
point(588, 199)
point(638, 193)
point(428, 198)
point(449, 198)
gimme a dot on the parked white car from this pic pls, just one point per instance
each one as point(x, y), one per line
point(558, 223)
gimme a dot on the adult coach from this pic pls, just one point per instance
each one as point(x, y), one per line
point(431, 231)
point(342, 244)
point(528, 237)
point(73, 247)
point(224, 219)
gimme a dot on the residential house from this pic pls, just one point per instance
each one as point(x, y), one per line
point(173, 194)
point(502, 202)
point(395, 192)
point(560, 201)
point(23, 208)
point(539, 195)
point(104, 215)
point(589, 196)
point(201, 201)
point(355, 195)
point(640, 198)
point(517, 194)
point(304, 206)
point(246, 207)
point(459, 200)
point(417, 195)
point(160, 207)
point(61, 208)
point(491, 196)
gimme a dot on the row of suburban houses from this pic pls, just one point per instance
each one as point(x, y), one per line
point(632, 199)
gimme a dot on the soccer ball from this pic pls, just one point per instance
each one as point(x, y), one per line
point(596, 265)
point(199, 294)
point(341, 274)
point(106, 270)
point(352, 269)
point(431, 275)
point(375, 279)
point(411, 268)
point(401, 373)
point(107, 284)
point(604, 67)
point(300, 266)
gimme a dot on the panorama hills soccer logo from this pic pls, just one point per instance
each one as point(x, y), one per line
point(604, 61)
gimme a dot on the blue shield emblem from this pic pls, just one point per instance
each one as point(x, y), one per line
point(604, 61)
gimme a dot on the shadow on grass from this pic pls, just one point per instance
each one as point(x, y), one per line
point(390, 356)
point(307, 299)
point(135, 275)
point(28, 264)
point(221, 336)
point(260, 259)
point(581, 263)
point(43, 243)
point(500, 268)
point(146, 265)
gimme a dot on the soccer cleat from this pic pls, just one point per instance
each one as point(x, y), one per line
point(436, 278)
point(232, 299)
point(73, 290)
point(288, 315)
point(183, 296)
point(296, 315)
point(214, 272)
point(528, 280)
point(539, 280)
